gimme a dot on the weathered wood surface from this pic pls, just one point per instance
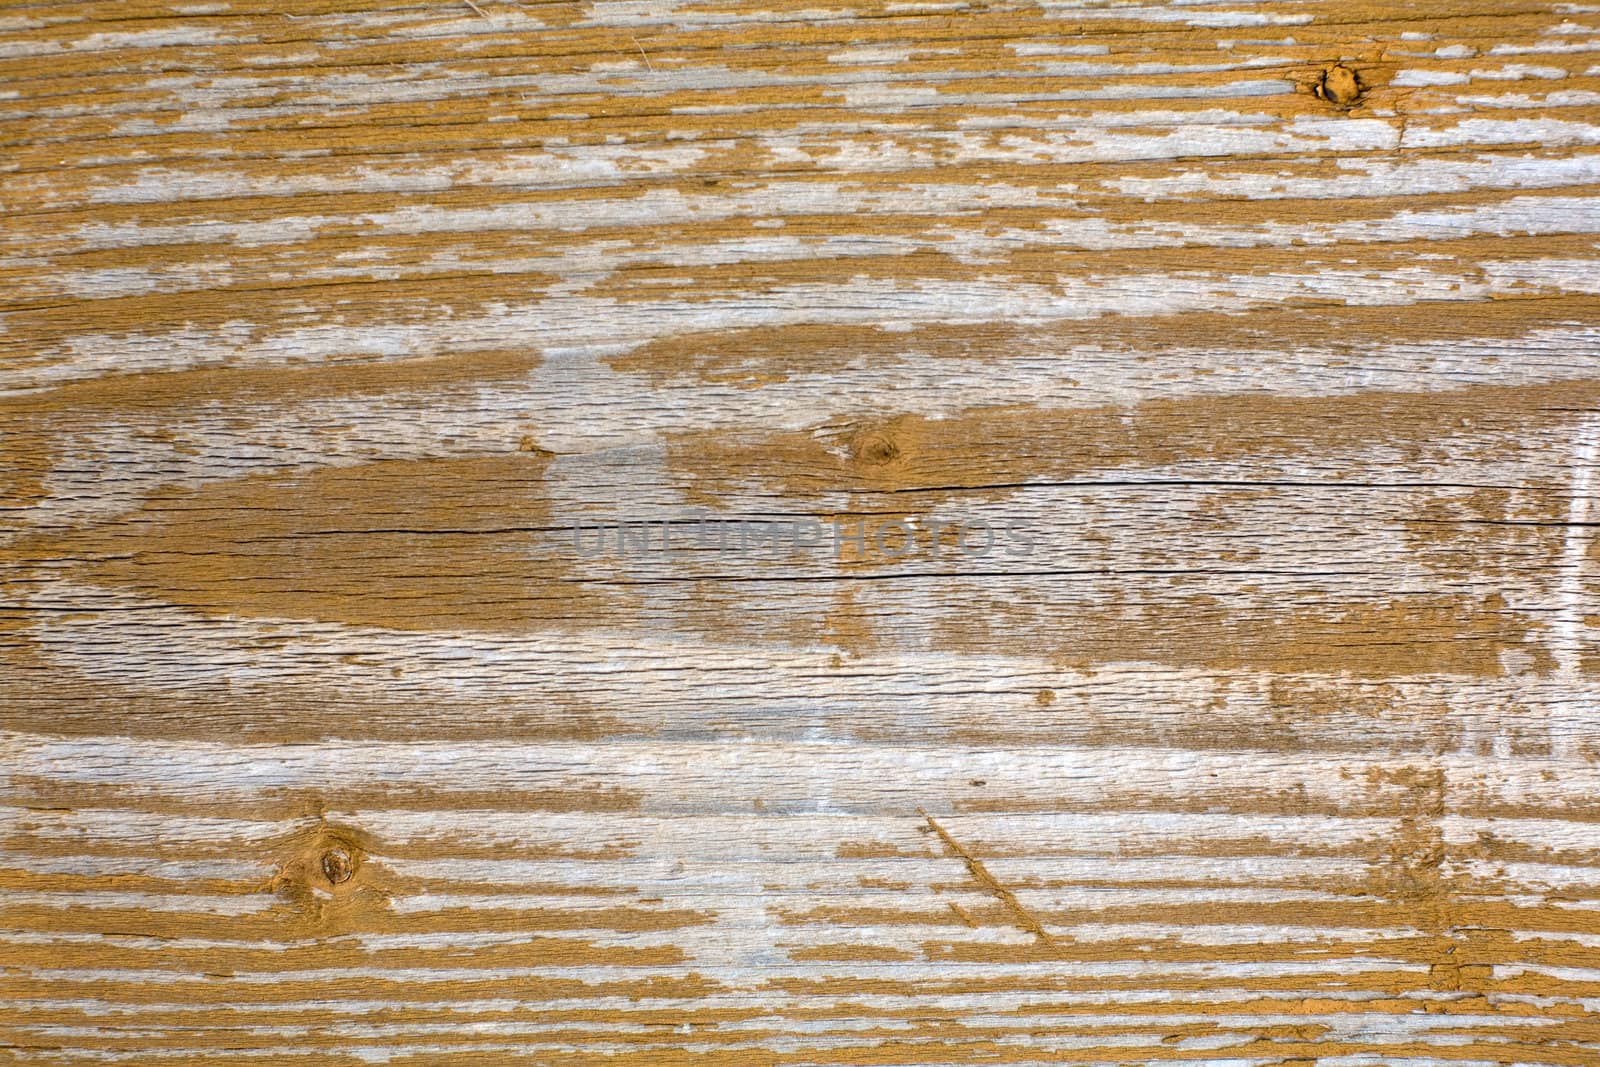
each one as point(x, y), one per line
point(323, 323)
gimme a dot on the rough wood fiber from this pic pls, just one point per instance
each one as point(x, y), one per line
point(1273, 326)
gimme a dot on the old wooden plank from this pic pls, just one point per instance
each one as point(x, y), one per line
point(1087, 533)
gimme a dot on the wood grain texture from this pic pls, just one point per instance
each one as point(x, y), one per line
point(1087, 556)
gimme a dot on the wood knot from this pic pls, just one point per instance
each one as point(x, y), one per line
point(323, 866)
point(530, 444)
point(875, 449)
point(1338, 85)
point(338, 865)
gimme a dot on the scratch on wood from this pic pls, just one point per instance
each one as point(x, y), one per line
point(1020, 915)
point(961, 913)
